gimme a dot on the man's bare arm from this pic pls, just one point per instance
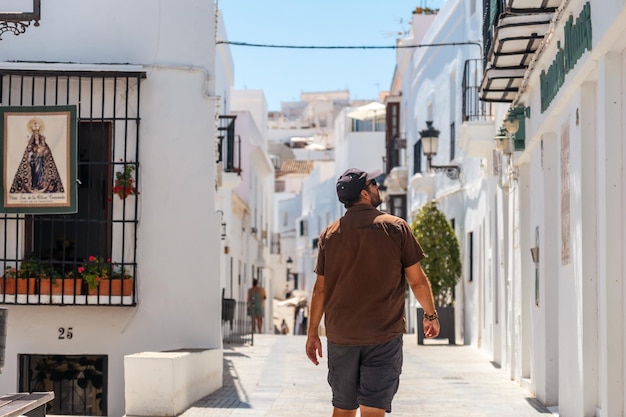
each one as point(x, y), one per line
point(420, 286)
point(316, 311)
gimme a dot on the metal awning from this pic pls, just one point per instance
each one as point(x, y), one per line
point(516, 38)
point(530, 6)
point(501, 84)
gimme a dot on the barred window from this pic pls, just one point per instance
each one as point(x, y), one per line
point(44, 256)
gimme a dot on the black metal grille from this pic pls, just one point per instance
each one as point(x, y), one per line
point(417, 157)
point(47, 252)
point(229, 152)
point(237, 324)
point(79, 382)
point(474, 109)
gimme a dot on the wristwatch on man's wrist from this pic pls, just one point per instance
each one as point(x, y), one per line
point(431, 317)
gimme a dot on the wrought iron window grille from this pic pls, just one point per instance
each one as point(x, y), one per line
point(105, 226)
point(17, 22)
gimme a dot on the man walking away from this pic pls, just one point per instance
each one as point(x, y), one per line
point(363, 261)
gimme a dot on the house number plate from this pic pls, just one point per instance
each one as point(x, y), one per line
point(65, 333)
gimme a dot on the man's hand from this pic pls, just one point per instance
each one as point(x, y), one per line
point(431, 328)
point(314, 349)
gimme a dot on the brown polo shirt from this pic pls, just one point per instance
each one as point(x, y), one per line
point(362, 257)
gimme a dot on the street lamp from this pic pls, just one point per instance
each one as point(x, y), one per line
point(430, 143)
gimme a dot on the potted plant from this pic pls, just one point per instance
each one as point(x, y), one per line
point(57, 284)
point(105, 278)
point(124, 184)
point(120, 282)
point(442, 265)
point(12, 283)
point(48, 280)
point(22, 280)
point(93, 271)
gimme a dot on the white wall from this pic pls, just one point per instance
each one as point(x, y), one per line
point(178, 232)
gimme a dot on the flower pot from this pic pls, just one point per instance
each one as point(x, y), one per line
point(113, 287)
point(66, 286)
point(14, 286)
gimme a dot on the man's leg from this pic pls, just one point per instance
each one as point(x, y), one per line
point(371, 411)
point(343, 378)
point(338, 412)
point(381, 366)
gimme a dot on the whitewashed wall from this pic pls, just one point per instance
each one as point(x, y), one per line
point(178, 232)
point(248, 246)
point(431, 91)
point(576, 343)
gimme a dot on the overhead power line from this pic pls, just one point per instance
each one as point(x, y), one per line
point(421, 45)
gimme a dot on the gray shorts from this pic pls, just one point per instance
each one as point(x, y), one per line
point(366, 375)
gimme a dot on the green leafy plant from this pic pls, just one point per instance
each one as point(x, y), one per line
point(442, 264)
point(95, 270)
point(10, 272)
point(119, 272)
point(124, 182)
point(32, 267)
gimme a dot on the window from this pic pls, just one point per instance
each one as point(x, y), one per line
point(452, 141)
point(398, 205)
point(417, 157)
point(304, 228)
point(79, 382)
point(470, 255)
point(56, 246)
point(392, 136)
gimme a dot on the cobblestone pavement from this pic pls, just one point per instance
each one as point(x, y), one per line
point(274, 378)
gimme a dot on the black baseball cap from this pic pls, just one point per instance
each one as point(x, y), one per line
point(351, 182)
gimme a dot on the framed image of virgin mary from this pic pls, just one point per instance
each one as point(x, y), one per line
point(38, 159)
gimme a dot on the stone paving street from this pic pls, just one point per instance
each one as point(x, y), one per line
point(274, 378)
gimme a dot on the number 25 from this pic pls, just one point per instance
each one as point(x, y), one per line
point(65, 333)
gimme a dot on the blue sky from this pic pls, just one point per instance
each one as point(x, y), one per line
point(284, 73)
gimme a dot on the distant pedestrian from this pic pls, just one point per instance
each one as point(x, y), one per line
point(256, 305)
point(363, 261)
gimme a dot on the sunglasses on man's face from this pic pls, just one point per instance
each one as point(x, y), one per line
point(372, 182)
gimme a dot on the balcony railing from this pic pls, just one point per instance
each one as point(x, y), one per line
point(474, 109)
point(229, 146)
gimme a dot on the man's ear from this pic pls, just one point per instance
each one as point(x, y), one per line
point(364, 196)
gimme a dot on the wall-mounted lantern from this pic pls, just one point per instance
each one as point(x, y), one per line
point(515, 125)
point(430, 142)
point(17, 21)
point(503, 141)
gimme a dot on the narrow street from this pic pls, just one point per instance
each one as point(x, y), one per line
point(274, 378)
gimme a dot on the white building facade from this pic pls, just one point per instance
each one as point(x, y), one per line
point(146, 95)
point(540, 201)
